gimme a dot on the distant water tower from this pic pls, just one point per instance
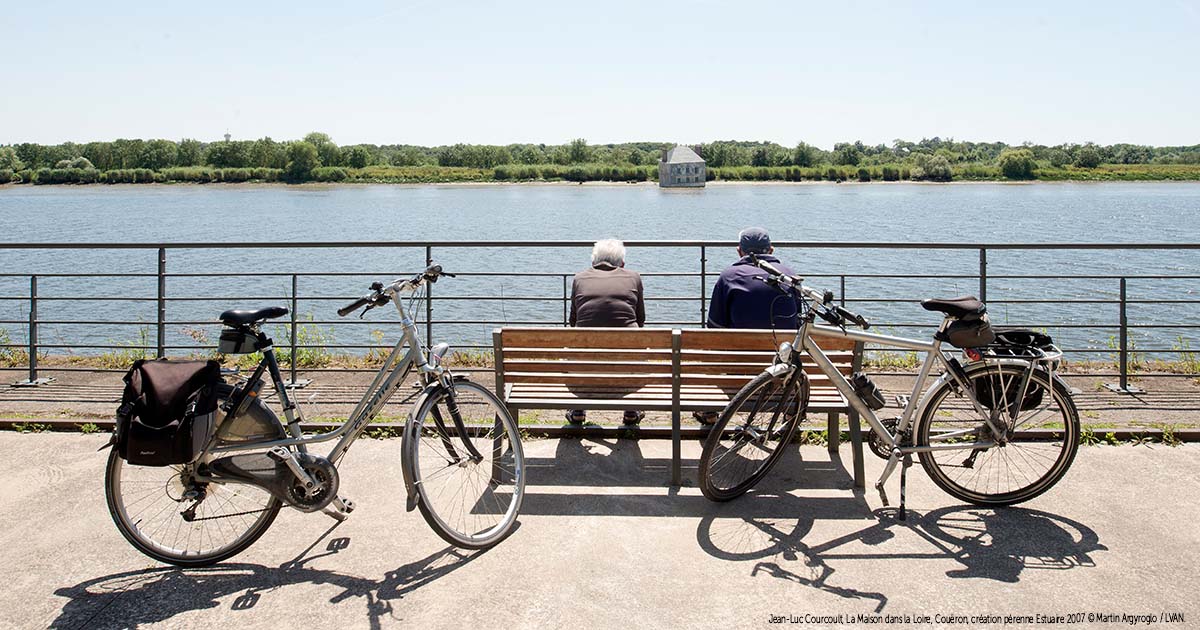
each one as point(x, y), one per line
point(228, 137)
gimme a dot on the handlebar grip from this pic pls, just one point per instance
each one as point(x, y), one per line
point(854, 317)
point(353, 306)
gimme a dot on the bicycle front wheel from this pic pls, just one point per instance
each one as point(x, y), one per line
point(470, 501)
point(1039, 444)
point(749, 436)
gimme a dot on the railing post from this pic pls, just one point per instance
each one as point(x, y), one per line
point(161, 318)
point(703, 284)
point(1123, 387)
point(1124, 341)
point(983, 274)
point(32, 346)
point(843, 290)
point(295, 305)
point(566, 297)
point(33, 329)
point(428, 300)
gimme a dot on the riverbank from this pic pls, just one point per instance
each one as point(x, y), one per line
point(589, 173)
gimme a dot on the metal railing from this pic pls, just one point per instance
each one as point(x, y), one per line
point(34, 346)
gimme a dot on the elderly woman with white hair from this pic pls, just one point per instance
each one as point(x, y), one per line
point(607, 295)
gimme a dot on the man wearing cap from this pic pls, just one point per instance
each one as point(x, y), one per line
point(741, 299)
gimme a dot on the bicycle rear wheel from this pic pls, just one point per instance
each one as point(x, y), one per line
point(1039, 446)
point(471, 503)
point(748, 438)
point(173, 517)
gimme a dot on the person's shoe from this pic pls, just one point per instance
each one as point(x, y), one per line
point(576, 417)
point(707, 418)
point(633, 418)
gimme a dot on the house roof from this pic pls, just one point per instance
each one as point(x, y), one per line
point(683, 155)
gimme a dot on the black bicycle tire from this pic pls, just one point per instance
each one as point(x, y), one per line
point(259, 528)
point(411, 464)
point(1071, 431)
point(704, 478)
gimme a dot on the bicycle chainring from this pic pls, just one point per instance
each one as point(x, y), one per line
point(324, 473)
point(876, 442)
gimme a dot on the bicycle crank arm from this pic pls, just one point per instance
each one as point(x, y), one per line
point(281, 454)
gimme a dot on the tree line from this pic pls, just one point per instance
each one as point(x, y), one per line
point(318, 157)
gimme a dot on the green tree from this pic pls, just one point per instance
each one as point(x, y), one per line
point(847, 154)
point(358, 157)
point(190, 153)
point(579, 152)
point(1017, 163)
point(408, 156)
point(228, 154)
point(9, 159)
point(302, 159)
point(1087, 156)
point(804, 155)
point(158, 154)
point(1058, 158)
point(266, 153)
point(327, 151)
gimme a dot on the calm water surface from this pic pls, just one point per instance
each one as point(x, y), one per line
point(1109, 212)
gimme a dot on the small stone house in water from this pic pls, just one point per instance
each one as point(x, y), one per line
point(681, 167)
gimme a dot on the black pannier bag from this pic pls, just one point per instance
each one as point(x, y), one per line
point(1023, 344)
point(168, 411)
point(969, 333)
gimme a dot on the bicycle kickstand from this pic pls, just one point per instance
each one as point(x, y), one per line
point(903, 484)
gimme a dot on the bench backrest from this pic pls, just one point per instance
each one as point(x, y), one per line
point(635, 357)
point(607, 357)
point(728, 358)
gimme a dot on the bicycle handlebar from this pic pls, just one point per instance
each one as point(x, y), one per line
point(381, 295)
point(831, 313)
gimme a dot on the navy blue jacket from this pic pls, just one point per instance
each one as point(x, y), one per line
point(741, 300)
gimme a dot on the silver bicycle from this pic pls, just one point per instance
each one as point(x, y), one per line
point(999, 430)
point(461, 454)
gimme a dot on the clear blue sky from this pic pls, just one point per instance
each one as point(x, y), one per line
point(442, 72)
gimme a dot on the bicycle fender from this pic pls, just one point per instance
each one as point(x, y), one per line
point(412, 430)
point(779, 370)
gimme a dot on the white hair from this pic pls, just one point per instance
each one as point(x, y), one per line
point(610, 251)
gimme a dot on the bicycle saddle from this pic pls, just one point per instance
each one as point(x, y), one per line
point(966, 307)
point(242, 317)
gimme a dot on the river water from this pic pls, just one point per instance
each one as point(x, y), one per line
point(956, 213)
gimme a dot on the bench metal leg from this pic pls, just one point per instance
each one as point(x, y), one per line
point(834, 431)
point(856, 447)
point(676, 449)
point(497, 450)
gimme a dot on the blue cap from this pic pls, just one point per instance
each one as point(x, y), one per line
point(754, 240)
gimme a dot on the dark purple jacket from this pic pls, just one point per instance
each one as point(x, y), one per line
point(741, 300)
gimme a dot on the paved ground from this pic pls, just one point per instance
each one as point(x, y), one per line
point(603, 542)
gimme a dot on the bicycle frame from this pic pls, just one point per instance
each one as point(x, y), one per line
point(387, 381)
point(805, 338)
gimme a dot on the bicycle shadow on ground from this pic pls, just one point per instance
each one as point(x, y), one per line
point(997, 544)
point(135, 598)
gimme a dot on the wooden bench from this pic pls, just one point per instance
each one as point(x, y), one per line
point(656, 369)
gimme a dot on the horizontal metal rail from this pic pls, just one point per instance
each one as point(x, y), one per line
point(1118, 296)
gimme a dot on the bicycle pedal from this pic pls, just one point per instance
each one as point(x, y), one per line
point(344, 504)
point(279, 454)
point(902, 401)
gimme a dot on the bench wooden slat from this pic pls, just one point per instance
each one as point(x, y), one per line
point(589, 354)
point(609, 338)
point(728, 339)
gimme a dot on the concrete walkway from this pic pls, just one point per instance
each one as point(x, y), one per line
point(603, 542)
